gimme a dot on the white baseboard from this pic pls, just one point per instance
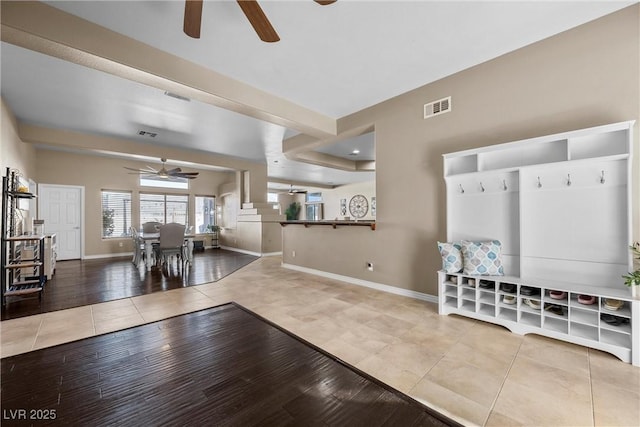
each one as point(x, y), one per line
point(242, 251)
point(118, 255)
point(123, 254)
point(272, 254)
point(365, 283)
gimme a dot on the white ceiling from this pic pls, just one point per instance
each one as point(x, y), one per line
point(365, 145)
point(335, 60)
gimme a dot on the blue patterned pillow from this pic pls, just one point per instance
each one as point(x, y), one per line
point(451, 257)
point(482, 258)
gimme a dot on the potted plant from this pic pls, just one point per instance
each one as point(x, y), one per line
point(292, 211)
point(213, 229)
point(633, 278)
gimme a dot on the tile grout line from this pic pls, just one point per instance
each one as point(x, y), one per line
point(593, 406)
point(424, 377)
point(35, 339)
point(93, 320)
point(207, 296)
point(504, 380)
point(138, 309)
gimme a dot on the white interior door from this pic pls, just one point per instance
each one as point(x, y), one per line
point(60, 206)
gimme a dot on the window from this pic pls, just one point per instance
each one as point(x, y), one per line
point(313, 207)
point(149, 181)
point(116, 214)
point(205, 213)
point(314, 197)
point(164, 208)
point(314, 211)
point(272, 197)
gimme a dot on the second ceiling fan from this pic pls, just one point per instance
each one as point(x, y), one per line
point(169, 174)
point(251, 9)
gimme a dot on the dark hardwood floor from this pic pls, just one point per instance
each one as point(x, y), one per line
point(217, 367)
point(77, 283)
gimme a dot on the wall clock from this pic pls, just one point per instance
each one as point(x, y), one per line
point(358, 206)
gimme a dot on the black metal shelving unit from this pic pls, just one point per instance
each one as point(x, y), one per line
point(22, 255)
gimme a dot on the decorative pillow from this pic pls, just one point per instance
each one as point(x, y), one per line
point(451, 257)
point(482, 258)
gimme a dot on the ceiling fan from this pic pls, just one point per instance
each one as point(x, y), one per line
point(171, 174)
point(251, 9)
point(292, 191)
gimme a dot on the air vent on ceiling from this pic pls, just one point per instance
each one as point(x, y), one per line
point(149, 134)
point(176, 96)
point(437, 107)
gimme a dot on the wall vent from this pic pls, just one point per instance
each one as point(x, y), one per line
point(149, 134)
point(176, 96)
point(440, 106)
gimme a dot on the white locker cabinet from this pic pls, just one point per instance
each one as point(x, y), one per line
point(561, 207)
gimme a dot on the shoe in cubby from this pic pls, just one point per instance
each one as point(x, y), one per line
point(529, 291)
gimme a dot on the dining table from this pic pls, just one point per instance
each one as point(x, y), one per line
point(150, 238)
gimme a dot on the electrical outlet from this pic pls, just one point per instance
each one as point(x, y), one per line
point(293, 254)
point(120, 244)
point(370, 266)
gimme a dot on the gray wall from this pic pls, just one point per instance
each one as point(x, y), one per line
point(584, 77)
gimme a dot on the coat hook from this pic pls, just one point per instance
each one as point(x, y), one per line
point(481, 187)
point(568, 179)
point(602, 178)
point(539, 183)
point(504, 185)
point(461, 189)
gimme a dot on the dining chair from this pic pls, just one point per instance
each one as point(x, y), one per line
point(138, 247)
point(151, 227)
point(171, 243)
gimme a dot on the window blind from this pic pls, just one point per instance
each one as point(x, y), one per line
point(116, 214)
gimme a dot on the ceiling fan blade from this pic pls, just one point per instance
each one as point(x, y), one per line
point(325, 2)
point(171, 174)
point(259, 20)
point(192, 18)
point(147, 170)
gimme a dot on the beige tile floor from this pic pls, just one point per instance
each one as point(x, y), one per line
point(477, 373)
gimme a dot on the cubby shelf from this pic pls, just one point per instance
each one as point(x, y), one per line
point(580, 323)
point(561, 206)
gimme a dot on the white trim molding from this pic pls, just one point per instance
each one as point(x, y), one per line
point(116, 255)
point(272, 254)
point(373, 285)
point(258, 254)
